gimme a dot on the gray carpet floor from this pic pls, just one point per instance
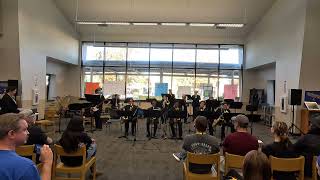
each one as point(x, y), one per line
point(143, 159)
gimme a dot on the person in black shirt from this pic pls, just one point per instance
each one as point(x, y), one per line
point(195, 100)
point(115, 101)
point(132, 110)
point(171, 97)
point(73, 138)
point(281, 148)
point(175, 115)
point(98, 109)
point(309, 144)
point(8, 103)
point(225, 122)
point(153, 119)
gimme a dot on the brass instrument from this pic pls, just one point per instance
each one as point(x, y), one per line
point(220, 119)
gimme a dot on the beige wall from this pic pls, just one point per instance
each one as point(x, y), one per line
point(66, 78)
point(9, 41)
point(43, 32)
point(278, 38)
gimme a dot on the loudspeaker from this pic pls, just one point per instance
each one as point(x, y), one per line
point(295, 96)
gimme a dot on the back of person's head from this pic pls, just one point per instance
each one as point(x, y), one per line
point(318, 165)
point(201, 123)
point(315, 121)
point(70, 138)
point(241, 121)
point(256, 166)
point(9, 124)
point(280, 129)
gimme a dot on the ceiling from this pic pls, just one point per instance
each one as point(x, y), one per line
point(215, 11)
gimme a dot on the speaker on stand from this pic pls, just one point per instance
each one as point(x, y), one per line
point(294, 99)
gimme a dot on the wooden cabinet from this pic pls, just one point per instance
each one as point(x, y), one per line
point(305, 119)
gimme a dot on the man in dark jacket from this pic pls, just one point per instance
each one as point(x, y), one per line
point(309, 144)
point(8, 103)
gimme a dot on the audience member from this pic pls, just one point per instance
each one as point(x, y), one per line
point(318, 165)
point(240, 142)
point(309, 144)
point(36, 137)
point(256, 166)
point(281, 148)
point(199, 143)
point(8, 102)
point(13, 133)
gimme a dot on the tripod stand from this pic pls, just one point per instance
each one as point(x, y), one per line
point(292, 126)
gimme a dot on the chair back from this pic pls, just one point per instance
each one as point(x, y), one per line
point(59, 151)
point(314, 168)
point(204, 159)
point(288, 165)
point(233, 161)
point(26, 150)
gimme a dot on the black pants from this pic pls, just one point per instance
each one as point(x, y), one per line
point(173, 130)
point(97, 119)
point(223, 127)
point(210, 122)
point(155, 126)
point(133, 126)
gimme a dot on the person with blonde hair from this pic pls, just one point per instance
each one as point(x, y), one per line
point(281, 148)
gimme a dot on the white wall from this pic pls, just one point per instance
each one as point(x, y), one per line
point(43, 32)
point(66, 80)
point(278, 38)
point(9, 41)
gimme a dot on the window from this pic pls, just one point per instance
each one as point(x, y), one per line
point(210, 69)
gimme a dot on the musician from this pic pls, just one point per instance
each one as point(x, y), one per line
point(225, 122)
point(115, 101)
point(195, 100)
point(8, 102)
point(132, 110)
point(98, 109)
point(171, 97)
point(165, 107)
point(175, 117)
point(153, 119)
point(183, 103)
point(204, 110)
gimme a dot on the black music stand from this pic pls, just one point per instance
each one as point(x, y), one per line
point(228, 101)
point(123, 113)
point(154, 113)
point(251, 108)
point(236, 105)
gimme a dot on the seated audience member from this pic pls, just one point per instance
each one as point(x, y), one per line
point(199, 143)
point(13, 133)
point(309, 144)
point(73, 138)
point(8, 102)
point(240, 142)
point(36, 137)
point(256, 166)
point(281, 148)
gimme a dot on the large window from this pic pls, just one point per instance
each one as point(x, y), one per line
point(209, 69)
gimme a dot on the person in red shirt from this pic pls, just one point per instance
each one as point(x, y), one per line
point(240, 142)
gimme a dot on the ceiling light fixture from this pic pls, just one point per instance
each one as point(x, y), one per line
point(90, 22)
point(118, 23)
point(173, 24)
point(144, 24)
point(202, 24)
point(231, 25)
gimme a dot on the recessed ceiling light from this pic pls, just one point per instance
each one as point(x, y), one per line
point(118, 23)
point(144, 24)
point(231, 25)
point(173, 24)
point(202, 24)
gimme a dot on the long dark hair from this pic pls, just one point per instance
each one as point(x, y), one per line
point(256, 166)
point(70, 138)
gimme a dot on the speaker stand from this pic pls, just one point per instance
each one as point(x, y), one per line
point(292, 126)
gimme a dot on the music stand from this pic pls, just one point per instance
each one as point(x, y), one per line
point(154, 113)
point(236, 105)
point(228, 101)
point(251, 108)
point(180, 115)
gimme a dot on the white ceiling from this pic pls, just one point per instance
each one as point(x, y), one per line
point(216, 11)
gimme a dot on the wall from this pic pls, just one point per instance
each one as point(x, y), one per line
point(44, 32)
point(9, 41)
point(309, 76)
point(278, 38)
point(257, 78)
point(66, 78)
